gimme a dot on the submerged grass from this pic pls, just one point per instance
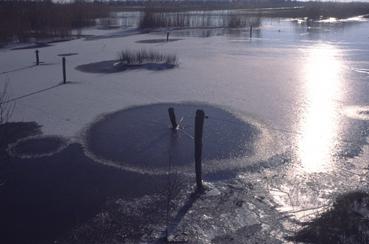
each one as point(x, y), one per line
point(143, 56)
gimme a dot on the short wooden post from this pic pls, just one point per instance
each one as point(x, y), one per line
point(199, 125)
point(37, 57)
point(172, 118)
point(250, 31)
point(64, 72)
point(168, 36)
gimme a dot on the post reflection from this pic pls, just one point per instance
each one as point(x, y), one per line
point(318, 126)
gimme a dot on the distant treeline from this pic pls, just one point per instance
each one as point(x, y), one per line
point(322, 10)
point(22, 20)
point(154, 18)
point(189, 5)
point(270, 8)
point(282, 8)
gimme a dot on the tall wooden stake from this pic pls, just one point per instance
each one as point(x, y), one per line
point(64, 72)
point(172, 118)
point(199, 125)
point(37, 58)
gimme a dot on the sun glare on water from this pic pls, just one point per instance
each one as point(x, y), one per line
point(318, 126)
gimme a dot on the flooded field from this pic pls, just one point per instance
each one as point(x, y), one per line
point(286, 134)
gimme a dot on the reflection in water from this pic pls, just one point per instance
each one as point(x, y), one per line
point(319, 121)
point(303, 194)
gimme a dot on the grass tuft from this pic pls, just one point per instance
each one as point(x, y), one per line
point(143, 56)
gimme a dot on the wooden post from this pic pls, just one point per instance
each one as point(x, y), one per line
point(168, 36)
point(199, 125)
point(64, 72)
point(172, 118)
point(250, 31)
point(37, 58)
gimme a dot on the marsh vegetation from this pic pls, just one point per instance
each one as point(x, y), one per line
point(21, 21)
point(151, 19)
point(142, 56)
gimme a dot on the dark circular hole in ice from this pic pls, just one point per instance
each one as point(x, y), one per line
point(37, 146)
point(141, 136)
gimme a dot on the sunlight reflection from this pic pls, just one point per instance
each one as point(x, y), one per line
point(319, 121)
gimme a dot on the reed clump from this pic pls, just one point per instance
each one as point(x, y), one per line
point(138, 57)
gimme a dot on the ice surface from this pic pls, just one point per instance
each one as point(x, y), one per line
point(295, 81)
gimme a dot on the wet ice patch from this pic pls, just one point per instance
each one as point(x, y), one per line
point(141, 139)
point(37, 146)
point(234, 215)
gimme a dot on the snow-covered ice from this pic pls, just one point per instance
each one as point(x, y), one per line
point(298, 84)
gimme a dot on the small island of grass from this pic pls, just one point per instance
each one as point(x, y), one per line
point(133, 59)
